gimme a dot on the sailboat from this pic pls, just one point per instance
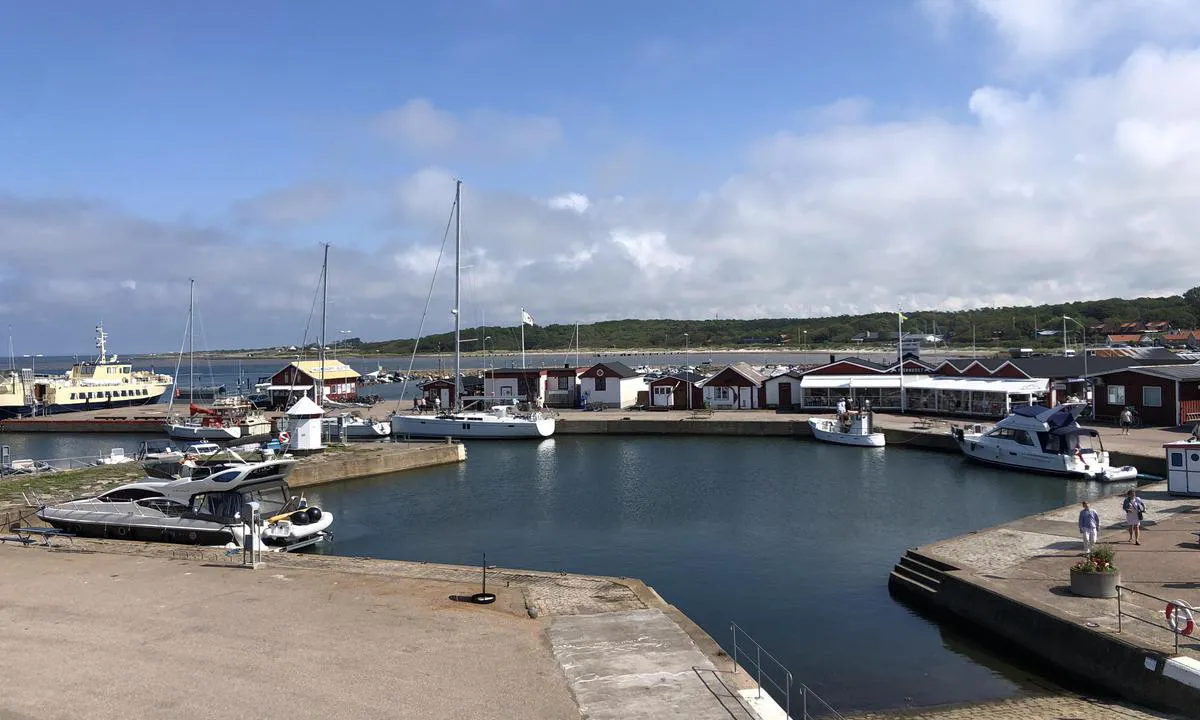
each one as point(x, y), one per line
point(497, 423)
point(201, 423)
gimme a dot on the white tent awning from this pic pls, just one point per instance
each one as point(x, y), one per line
point(1011, 386)
point(817, 382)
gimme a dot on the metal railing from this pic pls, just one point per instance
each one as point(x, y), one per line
point(1164, 624)
point(750, 654)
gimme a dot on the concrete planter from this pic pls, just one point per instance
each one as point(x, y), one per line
point(1095, 584)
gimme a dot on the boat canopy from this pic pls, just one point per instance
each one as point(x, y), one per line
point(1031, 411)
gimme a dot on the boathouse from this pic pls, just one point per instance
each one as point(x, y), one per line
point(1166, 395)
point(782, 391)
point(302, 376)
point(737, 387)
point(439, 393)
point(555, 387)
point(610, 385)
point(677, 391)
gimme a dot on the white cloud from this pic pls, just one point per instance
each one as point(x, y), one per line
point(1037, 33)
point(419, 128)
point(129, 284)
point(291, 206)
point(576, 202)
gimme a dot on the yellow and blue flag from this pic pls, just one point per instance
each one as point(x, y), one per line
point(903, 317)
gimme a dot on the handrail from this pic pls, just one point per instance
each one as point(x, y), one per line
point(755, 663)
point(1121, 613)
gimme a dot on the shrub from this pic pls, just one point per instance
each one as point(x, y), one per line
point(1100, 559)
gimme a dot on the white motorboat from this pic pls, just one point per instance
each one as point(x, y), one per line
point(498, 423)
point(1042, 439)
point(356, 428)
point(853, 429)
point(495, 424)
point(200, 510)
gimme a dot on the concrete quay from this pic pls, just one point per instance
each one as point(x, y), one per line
point(1011, 583)
point(108, 630)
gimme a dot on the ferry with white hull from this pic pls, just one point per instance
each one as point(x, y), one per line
point(100, 384)
point(1043, 440)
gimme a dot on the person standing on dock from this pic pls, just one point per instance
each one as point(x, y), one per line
point(1126, 420)
point(1134, 509)
point(1089, 526)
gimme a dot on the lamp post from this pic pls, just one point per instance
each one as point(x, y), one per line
point(1086, 383)
point(687, 369)
point(339, 341)
point(805, 341)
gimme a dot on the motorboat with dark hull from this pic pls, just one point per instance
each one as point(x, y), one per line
point(1044, 440)
point(203, 510)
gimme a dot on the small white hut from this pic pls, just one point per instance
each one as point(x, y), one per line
point(304, 423)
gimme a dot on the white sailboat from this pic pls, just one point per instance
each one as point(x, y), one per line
point(498, 423)
point(201, 423)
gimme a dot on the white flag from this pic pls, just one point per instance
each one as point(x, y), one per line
point(526, 317)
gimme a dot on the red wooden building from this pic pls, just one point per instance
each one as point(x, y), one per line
point(671, 392)
point(1166, 395)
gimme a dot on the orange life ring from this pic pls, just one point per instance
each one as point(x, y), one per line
point(1179, 617)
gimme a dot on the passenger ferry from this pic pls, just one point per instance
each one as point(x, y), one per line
point(90, 385)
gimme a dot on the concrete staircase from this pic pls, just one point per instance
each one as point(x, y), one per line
point(918, 577)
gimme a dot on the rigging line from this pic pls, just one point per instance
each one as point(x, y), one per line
point(212, 380)
point(421, 328)
point(292, 396)
point(187, 326)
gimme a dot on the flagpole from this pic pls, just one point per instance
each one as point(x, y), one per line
point(522, 338)
point(900, 353)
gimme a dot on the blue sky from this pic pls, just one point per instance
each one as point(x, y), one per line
point(738, 159)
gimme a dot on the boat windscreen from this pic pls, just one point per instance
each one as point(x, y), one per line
point(1029, 410)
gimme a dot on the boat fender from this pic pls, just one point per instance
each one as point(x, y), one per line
point(1179, 617)
point(192, 536)
point(314, 514)
point(300, 517)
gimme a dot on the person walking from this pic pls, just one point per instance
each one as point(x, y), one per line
point(1089, 526)
point(1126, 420)
point(1135, 510)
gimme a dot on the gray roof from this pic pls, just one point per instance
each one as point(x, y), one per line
point(1171, 372)
point(1061, 367)
point(685, 376)
point(619, 369)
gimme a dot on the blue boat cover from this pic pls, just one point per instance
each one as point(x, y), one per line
point(1060, 419)
point(1029, 410)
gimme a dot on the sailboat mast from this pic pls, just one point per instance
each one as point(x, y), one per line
point(191, 343)
point(324, 301)
point(457, 315)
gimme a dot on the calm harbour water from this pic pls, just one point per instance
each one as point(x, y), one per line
point(791, 539)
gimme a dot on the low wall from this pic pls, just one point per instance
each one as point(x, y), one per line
point(365, 463)
point(92, 425)
point(756, 428)
point(1095, 658)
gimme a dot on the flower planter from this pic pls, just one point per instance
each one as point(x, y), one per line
point(1095, 584)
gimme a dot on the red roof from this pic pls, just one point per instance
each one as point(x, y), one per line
point(1124, 338)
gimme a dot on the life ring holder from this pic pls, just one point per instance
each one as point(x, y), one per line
point(1179, 617)
point(285, 437)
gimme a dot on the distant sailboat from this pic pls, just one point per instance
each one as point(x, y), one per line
point(201, 423)
point(500, 422)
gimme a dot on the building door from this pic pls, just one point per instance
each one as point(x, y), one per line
point(785, 394)
point(663, 396)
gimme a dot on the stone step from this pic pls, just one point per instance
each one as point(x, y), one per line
point(940, 565)
point(910, 588)
point(920, 574)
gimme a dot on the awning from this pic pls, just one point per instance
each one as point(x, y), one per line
point(290, 388)
point(816, 382)
point(1011, 386)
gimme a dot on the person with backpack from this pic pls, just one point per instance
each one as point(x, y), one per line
point(1135, 510)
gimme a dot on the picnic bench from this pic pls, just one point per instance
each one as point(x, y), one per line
point(29, 535)
point(923, 423)
point(701, 414)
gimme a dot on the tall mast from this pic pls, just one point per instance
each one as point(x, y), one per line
point(324, 300)
point(191, 344)
point(457, 314)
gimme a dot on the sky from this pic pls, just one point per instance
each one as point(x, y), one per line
point(675, 159)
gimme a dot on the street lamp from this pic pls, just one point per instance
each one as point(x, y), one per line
point(338, 341)
point(1086, 383)
point(805, 341)
point(687, 369)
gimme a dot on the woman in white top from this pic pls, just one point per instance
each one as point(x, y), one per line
point(1133, 507)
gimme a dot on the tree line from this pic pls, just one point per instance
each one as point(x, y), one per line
point(986, 327)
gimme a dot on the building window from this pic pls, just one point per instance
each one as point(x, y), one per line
point(1116, 394)
point(1152, 396)
point(564, 383)
point(601, 384)
point(721, 392)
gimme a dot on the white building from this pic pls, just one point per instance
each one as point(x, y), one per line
point(783, 390)
point(304, 426)
point(611, 384)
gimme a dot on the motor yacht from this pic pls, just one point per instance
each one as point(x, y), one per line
point(1042, 439)
point(200, 510)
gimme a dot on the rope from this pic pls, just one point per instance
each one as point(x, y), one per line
point(425, 313)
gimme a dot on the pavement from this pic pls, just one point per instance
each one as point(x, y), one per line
point(116, 630)
point(1030, 559)
point(1062, 707)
